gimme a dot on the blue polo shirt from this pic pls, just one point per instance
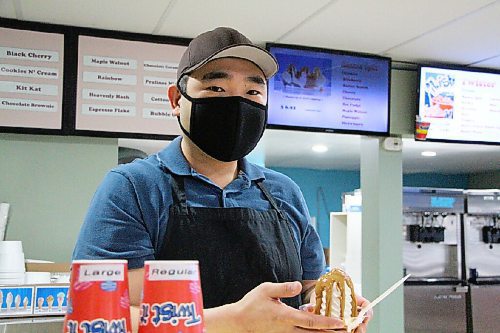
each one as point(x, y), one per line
point(128, 214)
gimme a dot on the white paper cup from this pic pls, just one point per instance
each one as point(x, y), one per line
point(12, 263)
point(11, 247)
point(37, 277)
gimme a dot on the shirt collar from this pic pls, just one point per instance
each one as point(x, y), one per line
point(252, 171)
point(172, 158)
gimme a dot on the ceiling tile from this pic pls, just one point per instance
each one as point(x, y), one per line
point(123, 15)
point(259, 20)
point(493, 62)
point(7, 9)
point(375, 26)
point(473, 38)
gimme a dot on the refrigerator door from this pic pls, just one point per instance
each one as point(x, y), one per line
point(485, 308)
point(434, 309)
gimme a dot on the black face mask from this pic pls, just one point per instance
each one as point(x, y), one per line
point(226, 128)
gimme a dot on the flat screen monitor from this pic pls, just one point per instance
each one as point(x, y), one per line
point(460, 104)
point(329, 91)
point(31, 79)
point(122, 86)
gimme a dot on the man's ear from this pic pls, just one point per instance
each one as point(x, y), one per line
point(174, 95)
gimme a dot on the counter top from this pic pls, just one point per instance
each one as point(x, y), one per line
point(32, 325)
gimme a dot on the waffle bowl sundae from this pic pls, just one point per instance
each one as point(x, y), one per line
point(335, 297)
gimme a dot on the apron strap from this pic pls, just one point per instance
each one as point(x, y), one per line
point(180, 199)
point(179, 193)
point(270, 198)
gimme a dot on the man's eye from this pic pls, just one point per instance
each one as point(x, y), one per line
point(253, 92)
point(215, 89)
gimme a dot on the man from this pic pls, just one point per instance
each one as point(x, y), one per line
point(201, 199)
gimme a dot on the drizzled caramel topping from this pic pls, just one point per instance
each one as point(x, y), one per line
point(335, 295)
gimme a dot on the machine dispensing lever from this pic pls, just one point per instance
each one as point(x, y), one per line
point(491, 234)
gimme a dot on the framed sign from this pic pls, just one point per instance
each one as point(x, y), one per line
point(122, 86)
point(31, 80)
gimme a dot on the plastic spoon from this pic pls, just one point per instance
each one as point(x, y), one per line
point(361, 315)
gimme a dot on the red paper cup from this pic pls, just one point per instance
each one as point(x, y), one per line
point(421, 129)
point(172, 300)
point(98, 298)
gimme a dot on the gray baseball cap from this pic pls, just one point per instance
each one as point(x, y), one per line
point(224, 42)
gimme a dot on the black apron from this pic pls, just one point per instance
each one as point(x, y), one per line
point(237, 248)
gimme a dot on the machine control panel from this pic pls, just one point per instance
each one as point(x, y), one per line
point(483, 203)
point(435, 200)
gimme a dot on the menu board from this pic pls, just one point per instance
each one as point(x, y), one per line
point(31, 79)
point(324, 90)
point(122, 86)
point(460, 105)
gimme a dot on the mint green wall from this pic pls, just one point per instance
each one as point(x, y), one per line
point(437, 180)
point(382, 242)
point(49, 181)
point(485, 180)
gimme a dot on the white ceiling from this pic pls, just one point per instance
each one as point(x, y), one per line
point(465, 32)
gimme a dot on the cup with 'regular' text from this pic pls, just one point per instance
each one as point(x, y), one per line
point(172, 300)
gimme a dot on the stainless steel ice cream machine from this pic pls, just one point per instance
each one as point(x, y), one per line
point(482, 258)
point(482, 235)
point(452, 249)
point(431, 232)
point(436, 295)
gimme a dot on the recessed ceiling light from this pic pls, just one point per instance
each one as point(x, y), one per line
point(428, 153)
point(319, 148)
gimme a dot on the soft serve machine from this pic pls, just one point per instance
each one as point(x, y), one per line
point(482, 254)
point(436, 295)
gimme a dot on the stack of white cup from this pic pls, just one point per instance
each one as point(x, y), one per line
point(12, 267)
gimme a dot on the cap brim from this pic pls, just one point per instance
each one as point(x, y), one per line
point(260, 57)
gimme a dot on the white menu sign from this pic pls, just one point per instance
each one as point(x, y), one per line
point(122, 86)
point(31, 79)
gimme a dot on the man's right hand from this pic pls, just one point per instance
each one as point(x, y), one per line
point(261, 310)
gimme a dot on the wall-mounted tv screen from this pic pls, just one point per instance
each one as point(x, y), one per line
point(31, 80)
point(329, 91)
point(122, 86)
point(460, 104)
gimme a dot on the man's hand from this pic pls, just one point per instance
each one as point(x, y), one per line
point(363, 302)
point(262, 311)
